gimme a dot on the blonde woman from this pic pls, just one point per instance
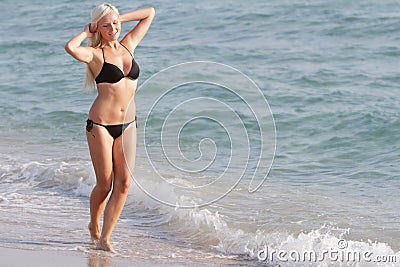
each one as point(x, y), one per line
point(111, 67)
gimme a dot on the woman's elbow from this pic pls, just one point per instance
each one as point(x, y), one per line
point(152, 11)
point(68, 48)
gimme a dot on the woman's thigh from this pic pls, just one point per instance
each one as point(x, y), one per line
point(124, 153)
point(101, 149)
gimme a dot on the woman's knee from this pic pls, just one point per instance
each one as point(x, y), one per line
point(104, 188)
point(122, 185)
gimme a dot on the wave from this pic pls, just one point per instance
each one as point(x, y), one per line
point(64, 176)
point(204, 228)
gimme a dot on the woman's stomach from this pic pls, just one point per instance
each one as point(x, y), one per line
point(107, 109)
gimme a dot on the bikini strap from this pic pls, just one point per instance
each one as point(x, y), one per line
point(127, 49)
point(102, 50)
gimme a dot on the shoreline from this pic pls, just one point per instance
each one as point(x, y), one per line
point(19, 257)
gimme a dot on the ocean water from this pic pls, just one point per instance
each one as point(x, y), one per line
point(330, 73)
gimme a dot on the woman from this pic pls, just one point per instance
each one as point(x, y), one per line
point(111, 65)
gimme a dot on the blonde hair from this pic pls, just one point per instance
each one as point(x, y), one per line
point(96, 41)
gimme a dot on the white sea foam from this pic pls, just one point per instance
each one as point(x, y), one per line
point(84, 188)
point(218, 232)
point(50, 174)
point(203, 226)
point(327, 245)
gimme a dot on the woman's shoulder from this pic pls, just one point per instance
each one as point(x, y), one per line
point(128, 45)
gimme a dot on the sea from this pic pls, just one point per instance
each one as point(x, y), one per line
point(268, 133)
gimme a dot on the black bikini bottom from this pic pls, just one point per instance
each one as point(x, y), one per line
point(115, 130)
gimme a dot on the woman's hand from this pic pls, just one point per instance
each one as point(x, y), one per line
point(89, 30)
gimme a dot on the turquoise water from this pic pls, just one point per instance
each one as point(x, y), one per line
point(330, 73)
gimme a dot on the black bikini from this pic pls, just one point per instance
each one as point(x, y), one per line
point(115, 130)
point(112, 74)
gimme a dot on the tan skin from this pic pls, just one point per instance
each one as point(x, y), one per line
point(111, 107)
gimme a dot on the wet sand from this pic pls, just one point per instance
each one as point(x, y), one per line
point(11, 257)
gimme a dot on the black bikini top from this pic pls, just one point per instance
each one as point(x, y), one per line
point(112, 74)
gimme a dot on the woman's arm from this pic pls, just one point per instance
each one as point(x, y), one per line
point(74, 48)
point(145, 17)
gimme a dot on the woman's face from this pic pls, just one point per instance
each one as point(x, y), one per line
point(109, 27)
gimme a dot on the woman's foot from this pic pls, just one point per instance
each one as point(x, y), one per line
point(105, 245)
point(94, 232)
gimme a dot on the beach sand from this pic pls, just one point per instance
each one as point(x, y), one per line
point(16, 257)
point(11, 257)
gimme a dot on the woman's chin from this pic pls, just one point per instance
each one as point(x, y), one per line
point(111, 38)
